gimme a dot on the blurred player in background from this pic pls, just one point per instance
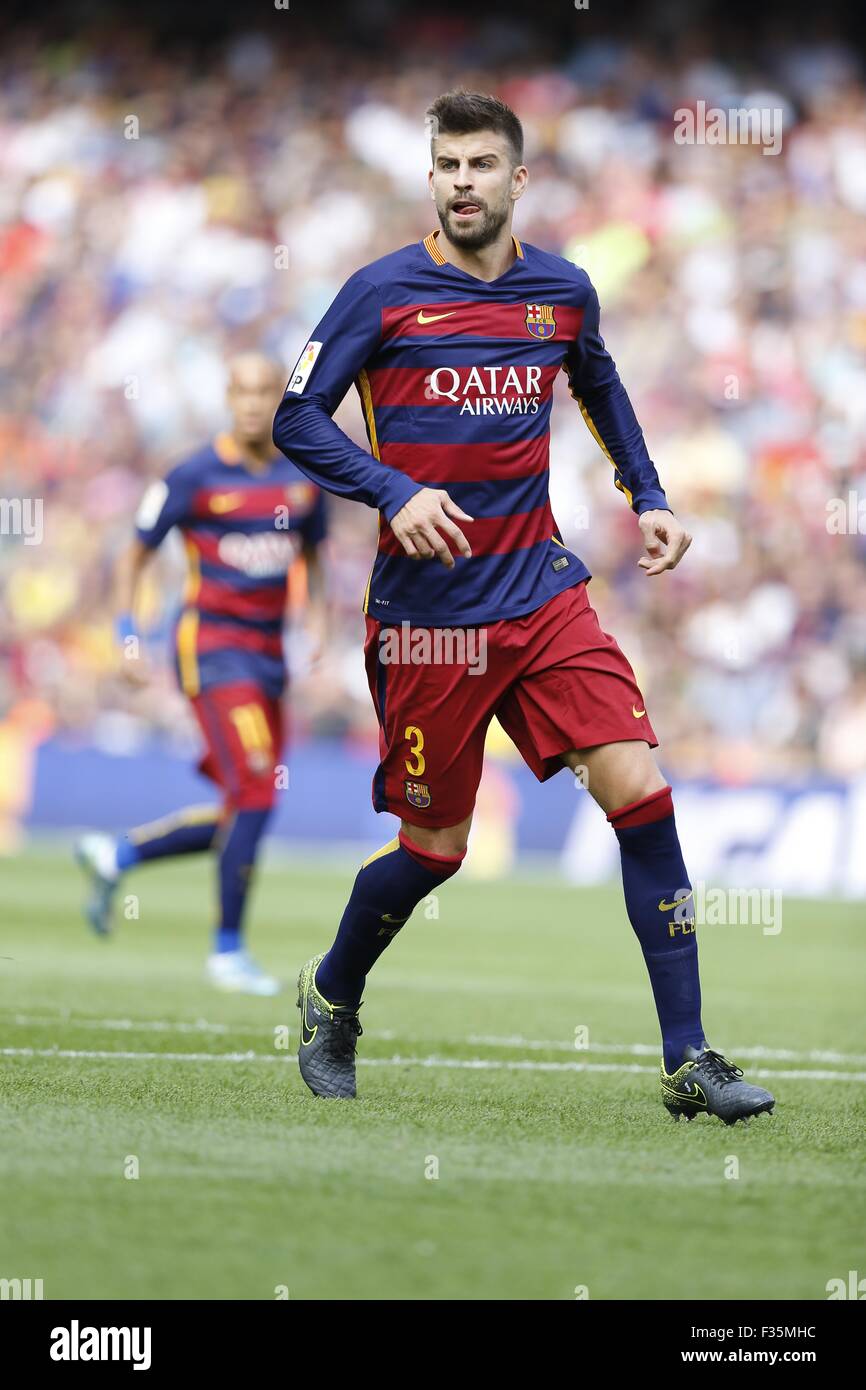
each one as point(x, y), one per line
point(454, 343)
point(246, 515)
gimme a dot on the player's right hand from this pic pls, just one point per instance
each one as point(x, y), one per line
point(417, 526)
point(132, 665)
point(135, 671)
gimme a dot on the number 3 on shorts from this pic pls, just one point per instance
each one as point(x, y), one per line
point(417, 763)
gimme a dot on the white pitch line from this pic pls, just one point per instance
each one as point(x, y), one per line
point(201, 1025)
point(144, 1025)
point(525, 1064)
point(78, 1053)
point(448, 1063)
point(764, 1054)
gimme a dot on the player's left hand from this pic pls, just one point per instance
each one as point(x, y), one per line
point(316, 633)
point(665, 539)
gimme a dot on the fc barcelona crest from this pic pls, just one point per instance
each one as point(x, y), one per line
point(540, 321)
point(418, 794)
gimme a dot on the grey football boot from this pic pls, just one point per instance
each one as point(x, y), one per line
point(329, 1033)
point(707, 1082)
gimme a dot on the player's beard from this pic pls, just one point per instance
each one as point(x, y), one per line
point(481, 233)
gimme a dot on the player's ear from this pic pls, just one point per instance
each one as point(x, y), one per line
point(519, 180)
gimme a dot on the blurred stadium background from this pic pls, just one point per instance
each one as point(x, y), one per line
point(177, 188)
point(183, 181)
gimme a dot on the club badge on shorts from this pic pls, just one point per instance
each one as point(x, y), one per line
point(418, 794)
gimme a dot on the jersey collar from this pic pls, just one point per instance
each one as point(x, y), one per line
point(431, 247)
point(226, 448)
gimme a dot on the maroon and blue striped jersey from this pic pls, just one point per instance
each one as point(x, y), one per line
point(455, 376)
point(242, 530)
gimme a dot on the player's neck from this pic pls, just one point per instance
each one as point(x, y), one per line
point(256, 455)
point(488, 262)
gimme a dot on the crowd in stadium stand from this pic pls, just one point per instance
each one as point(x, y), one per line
point(158, 213)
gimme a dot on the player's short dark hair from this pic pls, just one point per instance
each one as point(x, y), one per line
point(461, 113)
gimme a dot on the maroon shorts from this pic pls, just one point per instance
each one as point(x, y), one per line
point(243, 733)
point(553, 679)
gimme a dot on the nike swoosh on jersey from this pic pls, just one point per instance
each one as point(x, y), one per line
point(432, 318)
point(226, 501)
point(638, 713)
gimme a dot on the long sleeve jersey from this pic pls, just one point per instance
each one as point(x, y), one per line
point(455, 377)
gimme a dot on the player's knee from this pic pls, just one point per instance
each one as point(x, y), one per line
point(645, 782)
point(439, 851)
point(254, 794)
point(449, 839)
point(656, 805)
point(621, 775)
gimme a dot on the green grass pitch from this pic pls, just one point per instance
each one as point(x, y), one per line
point(558, 1168)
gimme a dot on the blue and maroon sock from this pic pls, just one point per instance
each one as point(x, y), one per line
point(660, 906)
point(388, 888)
point(191, 831)
point(236, 863)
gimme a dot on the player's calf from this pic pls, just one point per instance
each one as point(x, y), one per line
point(660, 905)
point(388, 887)
point(230, 967)
point(386, 891)
point(97, 856)
point(105, 858)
